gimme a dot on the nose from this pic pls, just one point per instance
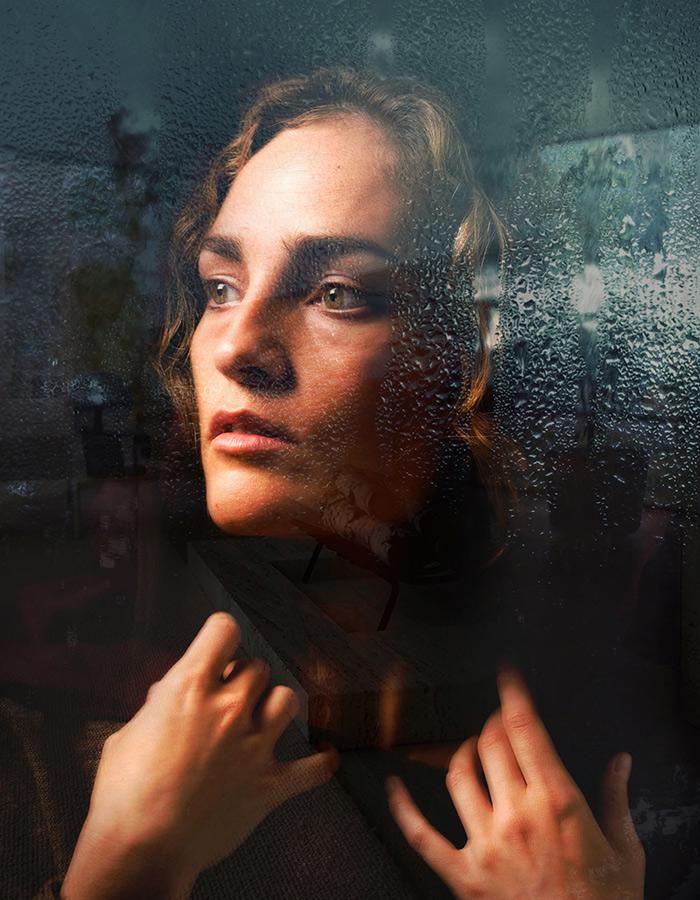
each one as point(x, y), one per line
point(253, 348)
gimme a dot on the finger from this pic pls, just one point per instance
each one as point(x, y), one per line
point(249, 679)
point(213, 647)
point(305, 774)
point(503, 776)
point(277, 711)
point(436, 850)
point(532, 746)
point(464, 785)
point(617, 823)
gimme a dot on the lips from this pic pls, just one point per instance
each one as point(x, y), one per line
point(243, 422)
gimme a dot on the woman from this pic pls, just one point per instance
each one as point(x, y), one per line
point(322, 339)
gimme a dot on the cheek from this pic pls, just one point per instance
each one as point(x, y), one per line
point(202, 370)
point(417, 397)
point(196, 364)
point(343, 385)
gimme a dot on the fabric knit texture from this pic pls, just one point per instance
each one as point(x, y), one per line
point(314, 846)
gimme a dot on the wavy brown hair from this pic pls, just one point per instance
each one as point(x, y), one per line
point(433, 169)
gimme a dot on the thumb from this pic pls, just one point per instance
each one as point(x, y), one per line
point(304, 774)
point(617, 821)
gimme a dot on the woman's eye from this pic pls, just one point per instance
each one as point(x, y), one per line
point(219, 293)
point(342, 297)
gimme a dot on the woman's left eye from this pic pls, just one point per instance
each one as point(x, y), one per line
point(342, 297)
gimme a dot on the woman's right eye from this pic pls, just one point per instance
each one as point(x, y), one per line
point(219, 293)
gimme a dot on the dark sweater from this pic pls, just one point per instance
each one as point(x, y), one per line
point(315, 846)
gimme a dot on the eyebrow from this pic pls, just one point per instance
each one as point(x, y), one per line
point(318, 247)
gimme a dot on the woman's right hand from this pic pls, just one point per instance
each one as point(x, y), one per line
point(183, 783)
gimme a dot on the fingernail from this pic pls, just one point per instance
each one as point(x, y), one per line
point(623, 765)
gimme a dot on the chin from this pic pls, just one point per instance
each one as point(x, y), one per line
point(255, 505)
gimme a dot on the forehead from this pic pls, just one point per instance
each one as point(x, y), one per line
point(330, 177)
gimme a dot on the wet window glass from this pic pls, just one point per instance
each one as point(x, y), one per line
point(349, 461)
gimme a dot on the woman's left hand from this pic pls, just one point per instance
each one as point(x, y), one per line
point(532, 835)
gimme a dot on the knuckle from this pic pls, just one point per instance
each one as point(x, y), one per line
point(184, 682)
point(489, 739)
point(513, 825)
point(568, 803)
point(563, 799)
point(194, 677)
point(543, 796)
point(488, 857)
point(518, 721)
point(455, 777)
point(233, 705)
point(417, 837)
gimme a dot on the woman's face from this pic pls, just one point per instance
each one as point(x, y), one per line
point(291, 356)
